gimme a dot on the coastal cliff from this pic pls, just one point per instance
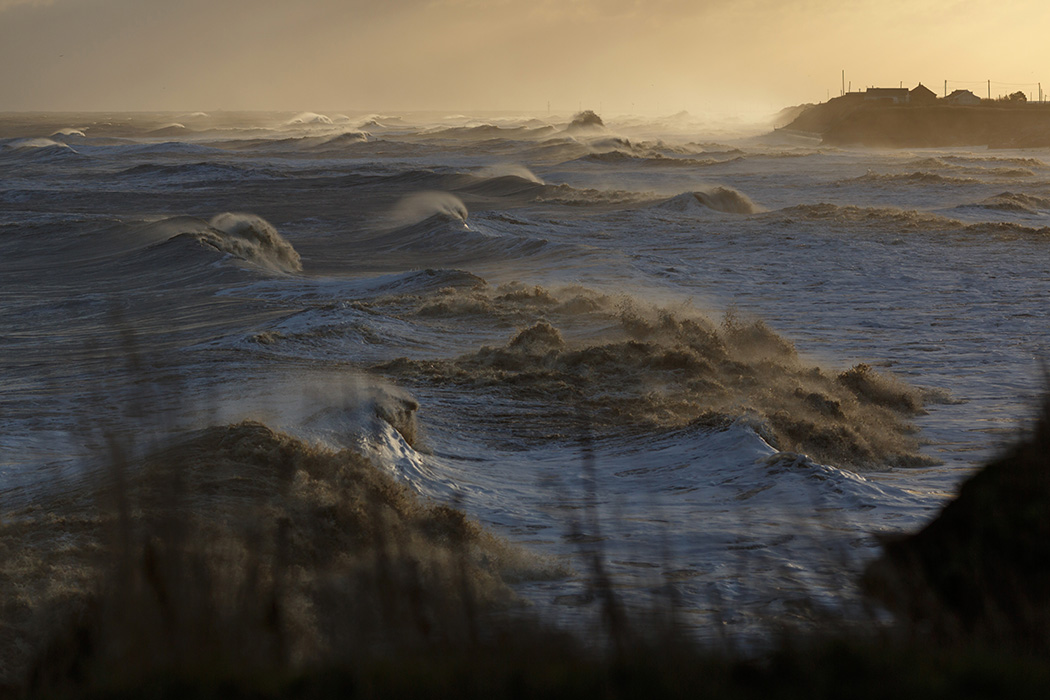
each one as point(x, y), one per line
point(851, 120)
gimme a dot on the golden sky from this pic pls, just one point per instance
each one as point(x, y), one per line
point(619, 56)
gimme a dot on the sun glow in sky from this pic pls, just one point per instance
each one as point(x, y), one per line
point(617, 56)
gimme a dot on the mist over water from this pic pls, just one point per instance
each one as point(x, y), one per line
point(774, 350)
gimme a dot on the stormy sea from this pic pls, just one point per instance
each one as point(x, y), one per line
point(721, 360)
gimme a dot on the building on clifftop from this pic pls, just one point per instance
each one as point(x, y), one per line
point(921, 95)
point(894, 95)
point(962, 97)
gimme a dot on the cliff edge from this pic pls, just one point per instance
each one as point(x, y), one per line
point(852, 120)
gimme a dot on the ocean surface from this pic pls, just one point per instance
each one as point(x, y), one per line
point(627, 341)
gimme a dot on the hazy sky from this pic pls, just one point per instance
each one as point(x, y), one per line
point(706, 56)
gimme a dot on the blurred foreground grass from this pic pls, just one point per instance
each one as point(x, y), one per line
point(244, 563)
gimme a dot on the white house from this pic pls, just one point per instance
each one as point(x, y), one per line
point(962, 97)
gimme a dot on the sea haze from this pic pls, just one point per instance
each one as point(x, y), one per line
point(725, 359)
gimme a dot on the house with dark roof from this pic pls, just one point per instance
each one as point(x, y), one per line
point(921, 95)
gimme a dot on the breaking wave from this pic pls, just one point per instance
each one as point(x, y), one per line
point(929, 163)
point(446, 237)
point(420, 206)
point(658, 368)
point(309, 118)
point(523, 188)
point(1014, 202)
point(506, 186)
point(173, 129)
point(723, 199)
point(512, 170)
point(247, 237)
point(586, 121)
point(68, 133)
point(36, 149)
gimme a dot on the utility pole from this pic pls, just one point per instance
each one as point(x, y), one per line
point(843, 81)
point(989, 89)
point(945, 88)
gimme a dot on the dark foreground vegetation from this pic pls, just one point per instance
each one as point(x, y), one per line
point(243, 563)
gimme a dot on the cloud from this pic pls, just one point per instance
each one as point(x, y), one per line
point(497, 54)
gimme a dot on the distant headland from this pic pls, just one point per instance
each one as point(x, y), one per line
point(917, 118)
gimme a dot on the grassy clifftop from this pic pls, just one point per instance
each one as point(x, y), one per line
point(852, 120)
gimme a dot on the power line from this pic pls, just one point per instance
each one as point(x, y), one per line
point(993, 82)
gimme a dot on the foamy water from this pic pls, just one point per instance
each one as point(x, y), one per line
point(530, 320)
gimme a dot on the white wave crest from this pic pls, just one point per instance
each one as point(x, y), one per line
point(422, 205)
point(308, 118)
point(723, 199)
point(251, 238)
point(501, 170)
point(30, 143)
